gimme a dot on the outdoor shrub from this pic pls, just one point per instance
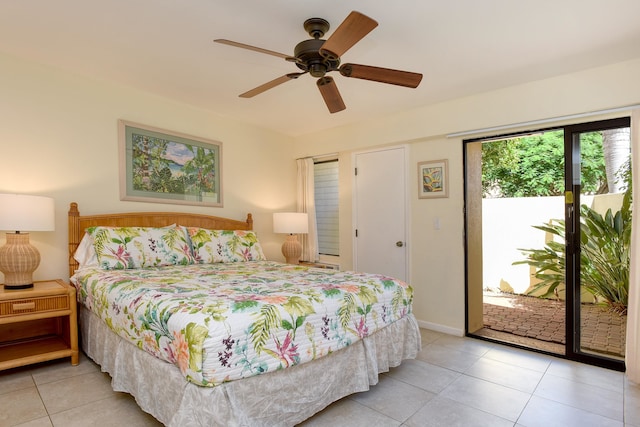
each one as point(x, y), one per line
point(605, 241)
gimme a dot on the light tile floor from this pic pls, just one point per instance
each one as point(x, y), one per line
point(453, 382)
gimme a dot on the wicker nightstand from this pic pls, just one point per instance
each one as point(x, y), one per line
point(38, 324)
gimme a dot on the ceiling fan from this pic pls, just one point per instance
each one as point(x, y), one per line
point(319, 57)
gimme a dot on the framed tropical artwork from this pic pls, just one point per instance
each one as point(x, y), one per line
point(161, 166)
point(433, 179)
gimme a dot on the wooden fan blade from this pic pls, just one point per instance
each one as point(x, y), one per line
point(382, 75)
point(269, 85)
point(351, 31)
point(331, 95)
point(255, 49)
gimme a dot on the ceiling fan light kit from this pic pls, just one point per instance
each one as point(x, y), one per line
point(319, 57)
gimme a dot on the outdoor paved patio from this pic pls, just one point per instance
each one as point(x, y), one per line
point(529, 318)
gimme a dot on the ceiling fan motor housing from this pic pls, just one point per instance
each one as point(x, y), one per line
point(309, 59)
point(307, 52)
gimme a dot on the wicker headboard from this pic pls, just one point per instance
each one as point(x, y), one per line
point(78, 224)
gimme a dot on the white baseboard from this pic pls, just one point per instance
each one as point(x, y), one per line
point(441, 328)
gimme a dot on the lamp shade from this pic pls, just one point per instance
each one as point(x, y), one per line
point(26, 213)
point(290, 223)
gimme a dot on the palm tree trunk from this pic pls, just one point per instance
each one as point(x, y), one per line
point(616, 145)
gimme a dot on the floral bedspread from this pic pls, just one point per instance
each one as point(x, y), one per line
point(226, 321)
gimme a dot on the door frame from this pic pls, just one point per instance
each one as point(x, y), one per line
point(407, 205)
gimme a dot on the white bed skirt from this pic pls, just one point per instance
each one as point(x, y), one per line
point(281, 398)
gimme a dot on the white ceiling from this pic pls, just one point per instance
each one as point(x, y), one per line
point(462, 47)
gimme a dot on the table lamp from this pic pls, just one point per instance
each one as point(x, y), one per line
point(291, 223)
point(18, 258)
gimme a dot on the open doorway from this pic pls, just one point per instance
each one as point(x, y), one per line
point(533, 201)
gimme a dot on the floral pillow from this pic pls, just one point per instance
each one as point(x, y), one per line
point(120, 248)
point(211, 246)
point(85, 254)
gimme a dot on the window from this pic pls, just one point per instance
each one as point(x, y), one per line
point(326, 198)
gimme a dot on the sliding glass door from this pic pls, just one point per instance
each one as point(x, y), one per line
point(597, 243)
point(547, 239)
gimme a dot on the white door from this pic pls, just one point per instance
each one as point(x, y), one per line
point(380, 205)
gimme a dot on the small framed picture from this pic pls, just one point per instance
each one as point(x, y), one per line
point(433, 179)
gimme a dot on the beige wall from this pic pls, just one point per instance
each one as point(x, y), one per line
point(437, 256)
point(58, 137)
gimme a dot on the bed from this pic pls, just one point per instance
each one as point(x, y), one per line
point(201, 329)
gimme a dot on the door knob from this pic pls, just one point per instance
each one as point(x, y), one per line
point(399, 244)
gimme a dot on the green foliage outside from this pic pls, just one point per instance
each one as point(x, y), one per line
point(533, 166)
point(605, 242)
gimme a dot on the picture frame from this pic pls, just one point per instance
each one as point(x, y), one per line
point(433, 179)
point(161, 166)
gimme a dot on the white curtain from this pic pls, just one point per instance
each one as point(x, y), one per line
point(632, 356)
point(307, 203)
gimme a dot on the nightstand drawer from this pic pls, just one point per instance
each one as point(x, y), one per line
point(34, 305)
